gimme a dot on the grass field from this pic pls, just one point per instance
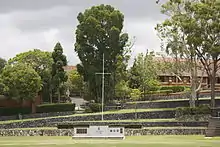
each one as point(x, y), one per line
point(135, 141)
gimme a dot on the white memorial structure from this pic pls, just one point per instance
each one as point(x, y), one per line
point(99, 132)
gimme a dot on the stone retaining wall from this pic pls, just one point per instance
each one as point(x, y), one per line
point(166, 104)
point(177, 96)
point(146, 124)
point(36, 115)
point(50, 122)
point(128, 132)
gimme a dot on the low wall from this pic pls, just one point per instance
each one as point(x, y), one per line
point(49, 122)
point(145, 124)
point(36, 115)
point(178, 96)
point(166, 104)
point(128, 132)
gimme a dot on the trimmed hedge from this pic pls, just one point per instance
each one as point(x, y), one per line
point(94, 107)
point(160, 92)
point(62, 107)
point(173, 88)
point(202, 109)
point(14, 111)
point(45, 108)
point(71, 126)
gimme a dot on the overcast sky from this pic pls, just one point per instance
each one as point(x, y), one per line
point(29, 24)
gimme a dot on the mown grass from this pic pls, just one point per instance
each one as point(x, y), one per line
point(86, 114)
point(131, 141)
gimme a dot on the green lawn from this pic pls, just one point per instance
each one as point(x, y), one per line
point(135, 141)
point(86, 114)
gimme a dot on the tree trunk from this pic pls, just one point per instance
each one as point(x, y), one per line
point(58, 91)
point(193, 83)
point(51, 97)
point(33, 107)
point(213, 81)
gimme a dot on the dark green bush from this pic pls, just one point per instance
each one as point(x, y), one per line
point(95, 107)
point(14, 111)
point(62, 107)
point(70, 126)
point(202, 109)
point(161, 91)
point(173, 88)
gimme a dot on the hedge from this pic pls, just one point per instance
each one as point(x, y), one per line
point(173, 88)
point(45, 108)
point(94, 107)
point(202, 109)
point(71, 126)
point(14, 111)
point(62, 107)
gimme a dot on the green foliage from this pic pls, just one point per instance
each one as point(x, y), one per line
point(94, 107)
point(173, 88)
point(2, 86)
point(75, 82)
point(144, 73)
point(14, 111)
point(192, 31)
point(41, 62)
point(168, 91)
point(3, 62)
point(21, 82)
point(135, 94)
point(98, 33)
point(62, 107)
point(122, 89)
point(58, 74)
point(202, 109)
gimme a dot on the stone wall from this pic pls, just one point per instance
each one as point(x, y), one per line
point(166, 104)
point(177, 96)
point(36, 115)
point(51, 122)
point(170, 131)
point(146, 124)
point(128, 132)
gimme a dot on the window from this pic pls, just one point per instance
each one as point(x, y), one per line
point(81, 131)
point(121, 130)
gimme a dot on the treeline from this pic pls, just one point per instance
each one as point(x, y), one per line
point(190, 33)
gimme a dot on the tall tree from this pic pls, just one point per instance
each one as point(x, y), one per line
point(21, 82)
point(75, 82)
point(41, 62)
point(3, 62)
point(192, 29)
point(99, 32)
point(143, 73)
point(59, 76)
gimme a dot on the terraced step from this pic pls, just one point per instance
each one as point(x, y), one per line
point(142, 122)
point(213, 127)
point(166, 103)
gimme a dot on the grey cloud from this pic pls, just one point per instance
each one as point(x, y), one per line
point(24, 23)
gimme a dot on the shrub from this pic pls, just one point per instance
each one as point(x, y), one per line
point(173, 88)
point(202, 109)
point(14, 111)
point(70, 126)
point(161, 91)
point(94, 107)
point(62, 107)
